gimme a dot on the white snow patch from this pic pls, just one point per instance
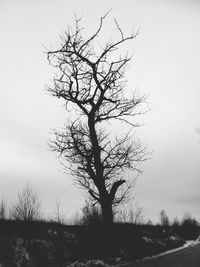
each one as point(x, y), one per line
point(90, 263)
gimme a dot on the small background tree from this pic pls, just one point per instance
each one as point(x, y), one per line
point(28, 206)
point(58, 214)
point(133, 213)
point(136, 213)
point(190, 227)
point(164, 220)
point(3, 209)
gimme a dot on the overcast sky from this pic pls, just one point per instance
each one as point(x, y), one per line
point(165, 66)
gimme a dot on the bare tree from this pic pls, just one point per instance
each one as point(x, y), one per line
point(91, 81)
point(28, 206)
point(76, 219)
point(58, 214)
point(164, 220)
point(3, 209)
point(122, 216)
point(188, 221)
point(135, 213)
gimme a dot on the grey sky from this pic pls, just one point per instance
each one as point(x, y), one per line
point(165, 66)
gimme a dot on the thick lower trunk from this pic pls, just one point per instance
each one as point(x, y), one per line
point(107, 213)
point(107, 200)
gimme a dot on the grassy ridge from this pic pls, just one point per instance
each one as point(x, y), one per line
point(41, 243)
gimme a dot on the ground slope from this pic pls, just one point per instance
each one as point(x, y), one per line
point(186, 257)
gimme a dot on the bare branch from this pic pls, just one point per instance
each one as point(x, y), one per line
point(93, 85)
point(119, 29)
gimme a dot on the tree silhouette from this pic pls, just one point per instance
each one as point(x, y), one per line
point(3, 209)
point(28, 206)
point(164, 220)
point(92, 83)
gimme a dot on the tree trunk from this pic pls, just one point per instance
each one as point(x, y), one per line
point(107, 213)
